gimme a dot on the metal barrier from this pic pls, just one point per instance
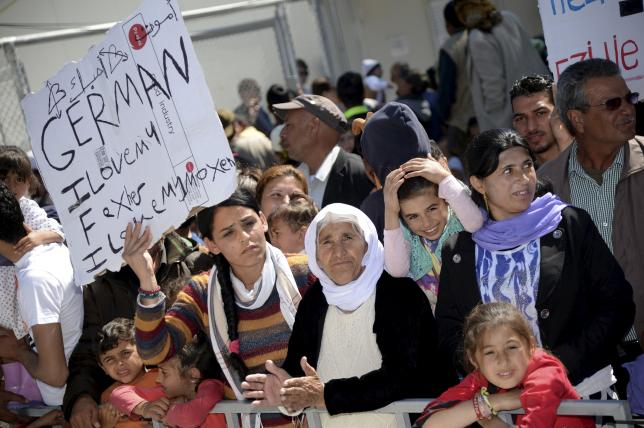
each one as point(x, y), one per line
point(619, 410)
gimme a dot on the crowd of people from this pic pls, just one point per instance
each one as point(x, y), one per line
point(475, 242)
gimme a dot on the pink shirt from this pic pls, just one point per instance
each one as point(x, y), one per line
point(193, 413)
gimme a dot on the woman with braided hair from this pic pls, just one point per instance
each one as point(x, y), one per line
point(246, 304)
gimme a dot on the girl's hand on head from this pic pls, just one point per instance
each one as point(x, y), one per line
point(394, 180)
point(428, 168)
point(136, 255)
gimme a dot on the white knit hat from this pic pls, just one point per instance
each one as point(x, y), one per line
point(368, 65)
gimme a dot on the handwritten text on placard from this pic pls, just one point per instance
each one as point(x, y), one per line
point(129, 133)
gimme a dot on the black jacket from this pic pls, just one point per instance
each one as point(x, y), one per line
point(584, 303)
point(348, 182)
point(406, 336)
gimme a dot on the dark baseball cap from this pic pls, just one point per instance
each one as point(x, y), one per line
point(319, 106)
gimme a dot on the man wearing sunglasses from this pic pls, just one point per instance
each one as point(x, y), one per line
point(603, 169)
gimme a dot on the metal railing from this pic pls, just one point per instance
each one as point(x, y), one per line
point(619, 410)
point(87, 30)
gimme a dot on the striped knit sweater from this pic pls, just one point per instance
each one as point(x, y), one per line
point(158, 338)
point(263, 333)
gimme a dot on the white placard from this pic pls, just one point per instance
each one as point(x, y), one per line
point(129, 133)
point(580, 29)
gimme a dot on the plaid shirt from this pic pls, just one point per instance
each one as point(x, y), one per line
point(598, 200)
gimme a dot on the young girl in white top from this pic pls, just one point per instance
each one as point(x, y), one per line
point(15, 172)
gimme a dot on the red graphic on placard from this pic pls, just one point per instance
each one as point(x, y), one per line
point(190, 166)
point(137, 36)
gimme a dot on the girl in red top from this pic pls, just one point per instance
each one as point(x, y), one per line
point(186, 390)
point(508, 372)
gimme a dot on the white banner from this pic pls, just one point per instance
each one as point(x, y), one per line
point(129, 133)
point(576, 30)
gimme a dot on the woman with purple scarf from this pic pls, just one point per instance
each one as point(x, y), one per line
point(541, 255)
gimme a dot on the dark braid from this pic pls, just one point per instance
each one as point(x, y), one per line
point(230, 310)
point(227, 295)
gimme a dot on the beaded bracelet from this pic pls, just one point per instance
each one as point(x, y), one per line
point(477, 407)
point(150, 294)
point(480, 408)
point(486, 398)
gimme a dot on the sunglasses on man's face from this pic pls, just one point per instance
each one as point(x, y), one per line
point(613, 104)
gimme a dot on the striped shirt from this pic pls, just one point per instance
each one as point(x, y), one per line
point(158, 337)
point(597, 199)
point(263, 334)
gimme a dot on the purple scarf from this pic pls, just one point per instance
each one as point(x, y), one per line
point(542, 217)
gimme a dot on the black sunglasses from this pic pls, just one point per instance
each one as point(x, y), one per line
point(613, 104)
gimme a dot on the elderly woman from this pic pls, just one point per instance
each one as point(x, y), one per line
point(544, 257)
point(371, 337)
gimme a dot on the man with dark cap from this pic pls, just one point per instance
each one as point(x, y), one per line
point(312, 127)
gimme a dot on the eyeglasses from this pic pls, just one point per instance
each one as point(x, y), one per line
point(613, 104)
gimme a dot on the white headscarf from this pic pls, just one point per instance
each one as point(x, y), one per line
point(350, 296)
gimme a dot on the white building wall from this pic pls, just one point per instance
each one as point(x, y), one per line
point(402, 30)
point(408, 30)
point(225, 60)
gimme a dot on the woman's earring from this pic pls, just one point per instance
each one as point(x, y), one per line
point(487, 207)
